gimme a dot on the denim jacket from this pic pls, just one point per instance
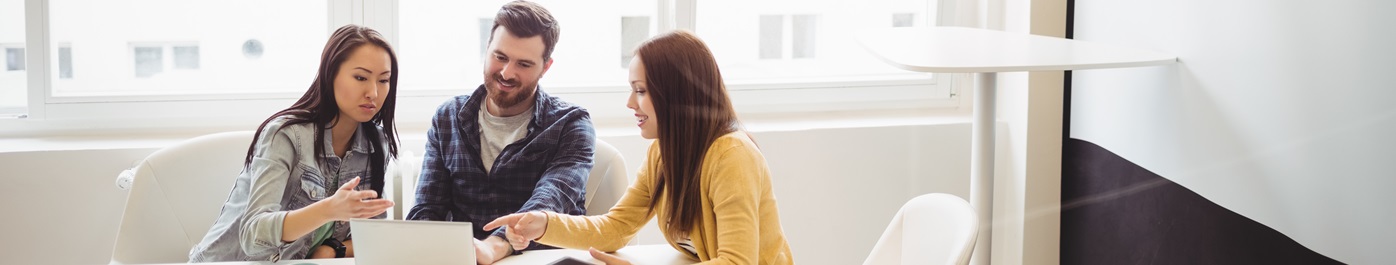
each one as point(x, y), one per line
point(546, 170)
point(282, 177)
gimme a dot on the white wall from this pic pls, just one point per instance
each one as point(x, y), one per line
point(837, 186)
point(1280, 111)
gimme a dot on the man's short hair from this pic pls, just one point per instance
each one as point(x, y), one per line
point(526, 19)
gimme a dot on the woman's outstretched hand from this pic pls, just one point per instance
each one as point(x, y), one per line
point(349, 203)
point(521, 228)
point(607, 258)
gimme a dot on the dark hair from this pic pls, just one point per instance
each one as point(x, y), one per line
point(318, 105)
point(526, 19)
point(693, 110)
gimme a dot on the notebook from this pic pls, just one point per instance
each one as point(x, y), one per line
point(383, 242)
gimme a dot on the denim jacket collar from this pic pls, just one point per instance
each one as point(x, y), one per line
point(359, 144)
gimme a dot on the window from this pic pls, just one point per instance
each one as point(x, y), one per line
point(484, 24)
point(786, 39)
point(633, 30)
point(801, 33)
point(198, 49)
point(186, 57)
point(65, 62)
point(441, 43)
point(901, 20)
point(772, 36)
point(153, 59)
point(150, 60)
point(14, 85)
point(14, 59)
point(129, 63)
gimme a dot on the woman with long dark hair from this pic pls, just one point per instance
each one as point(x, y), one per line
point(704, 177)
point(314, 165)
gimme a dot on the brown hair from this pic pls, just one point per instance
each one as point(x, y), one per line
point(317, 106)
point(526, 19)
point(693, 110)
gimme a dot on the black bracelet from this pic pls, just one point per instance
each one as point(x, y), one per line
point(336, 245)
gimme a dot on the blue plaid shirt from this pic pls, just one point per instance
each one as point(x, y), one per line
point(546, 170)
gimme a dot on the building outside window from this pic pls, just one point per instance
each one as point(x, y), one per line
point(153, 59)
point(14, 59)
point(65, 62)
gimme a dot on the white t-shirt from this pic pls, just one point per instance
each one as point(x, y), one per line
point(498, 132)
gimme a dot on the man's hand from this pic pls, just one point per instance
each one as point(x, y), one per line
point(608, 258)
point(490, 250)
point(484, 255)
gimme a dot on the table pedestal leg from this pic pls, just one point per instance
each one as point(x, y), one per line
point(982, 164)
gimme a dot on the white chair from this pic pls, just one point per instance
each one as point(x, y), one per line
point(402, 187)
point(175, 196)
point(177, 193)
point(607, 181)
point(934, 228)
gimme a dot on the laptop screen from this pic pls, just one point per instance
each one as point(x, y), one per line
point(383, 242)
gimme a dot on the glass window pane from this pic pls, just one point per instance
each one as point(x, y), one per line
point(186, 57)
point(633, 30)
point(14, 59)
point(783, 39)
point(772, 32)
point(149, 61)
point(900, 20)
point(14, 85)
point(156, 47)
point(65, 62)
point(802, 39)
point(441, 43)
point(484, 25)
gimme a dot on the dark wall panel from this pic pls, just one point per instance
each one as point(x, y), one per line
point(1116, 212)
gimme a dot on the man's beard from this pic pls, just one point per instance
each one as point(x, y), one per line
point(503, 100)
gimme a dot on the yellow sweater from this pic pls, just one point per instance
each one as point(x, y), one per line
point(740, 224)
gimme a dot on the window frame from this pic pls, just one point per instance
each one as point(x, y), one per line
point(48, 114)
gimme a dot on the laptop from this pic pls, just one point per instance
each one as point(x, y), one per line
point(383, 242)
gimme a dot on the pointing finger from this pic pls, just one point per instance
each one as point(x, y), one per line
point(501, 221)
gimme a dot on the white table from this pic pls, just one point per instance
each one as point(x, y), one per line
point(988, 52)
point(658, 254)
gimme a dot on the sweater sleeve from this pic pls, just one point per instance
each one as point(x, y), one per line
point(610, 231)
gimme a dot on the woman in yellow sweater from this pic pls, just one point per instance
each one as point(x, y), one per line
point(704, 178)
